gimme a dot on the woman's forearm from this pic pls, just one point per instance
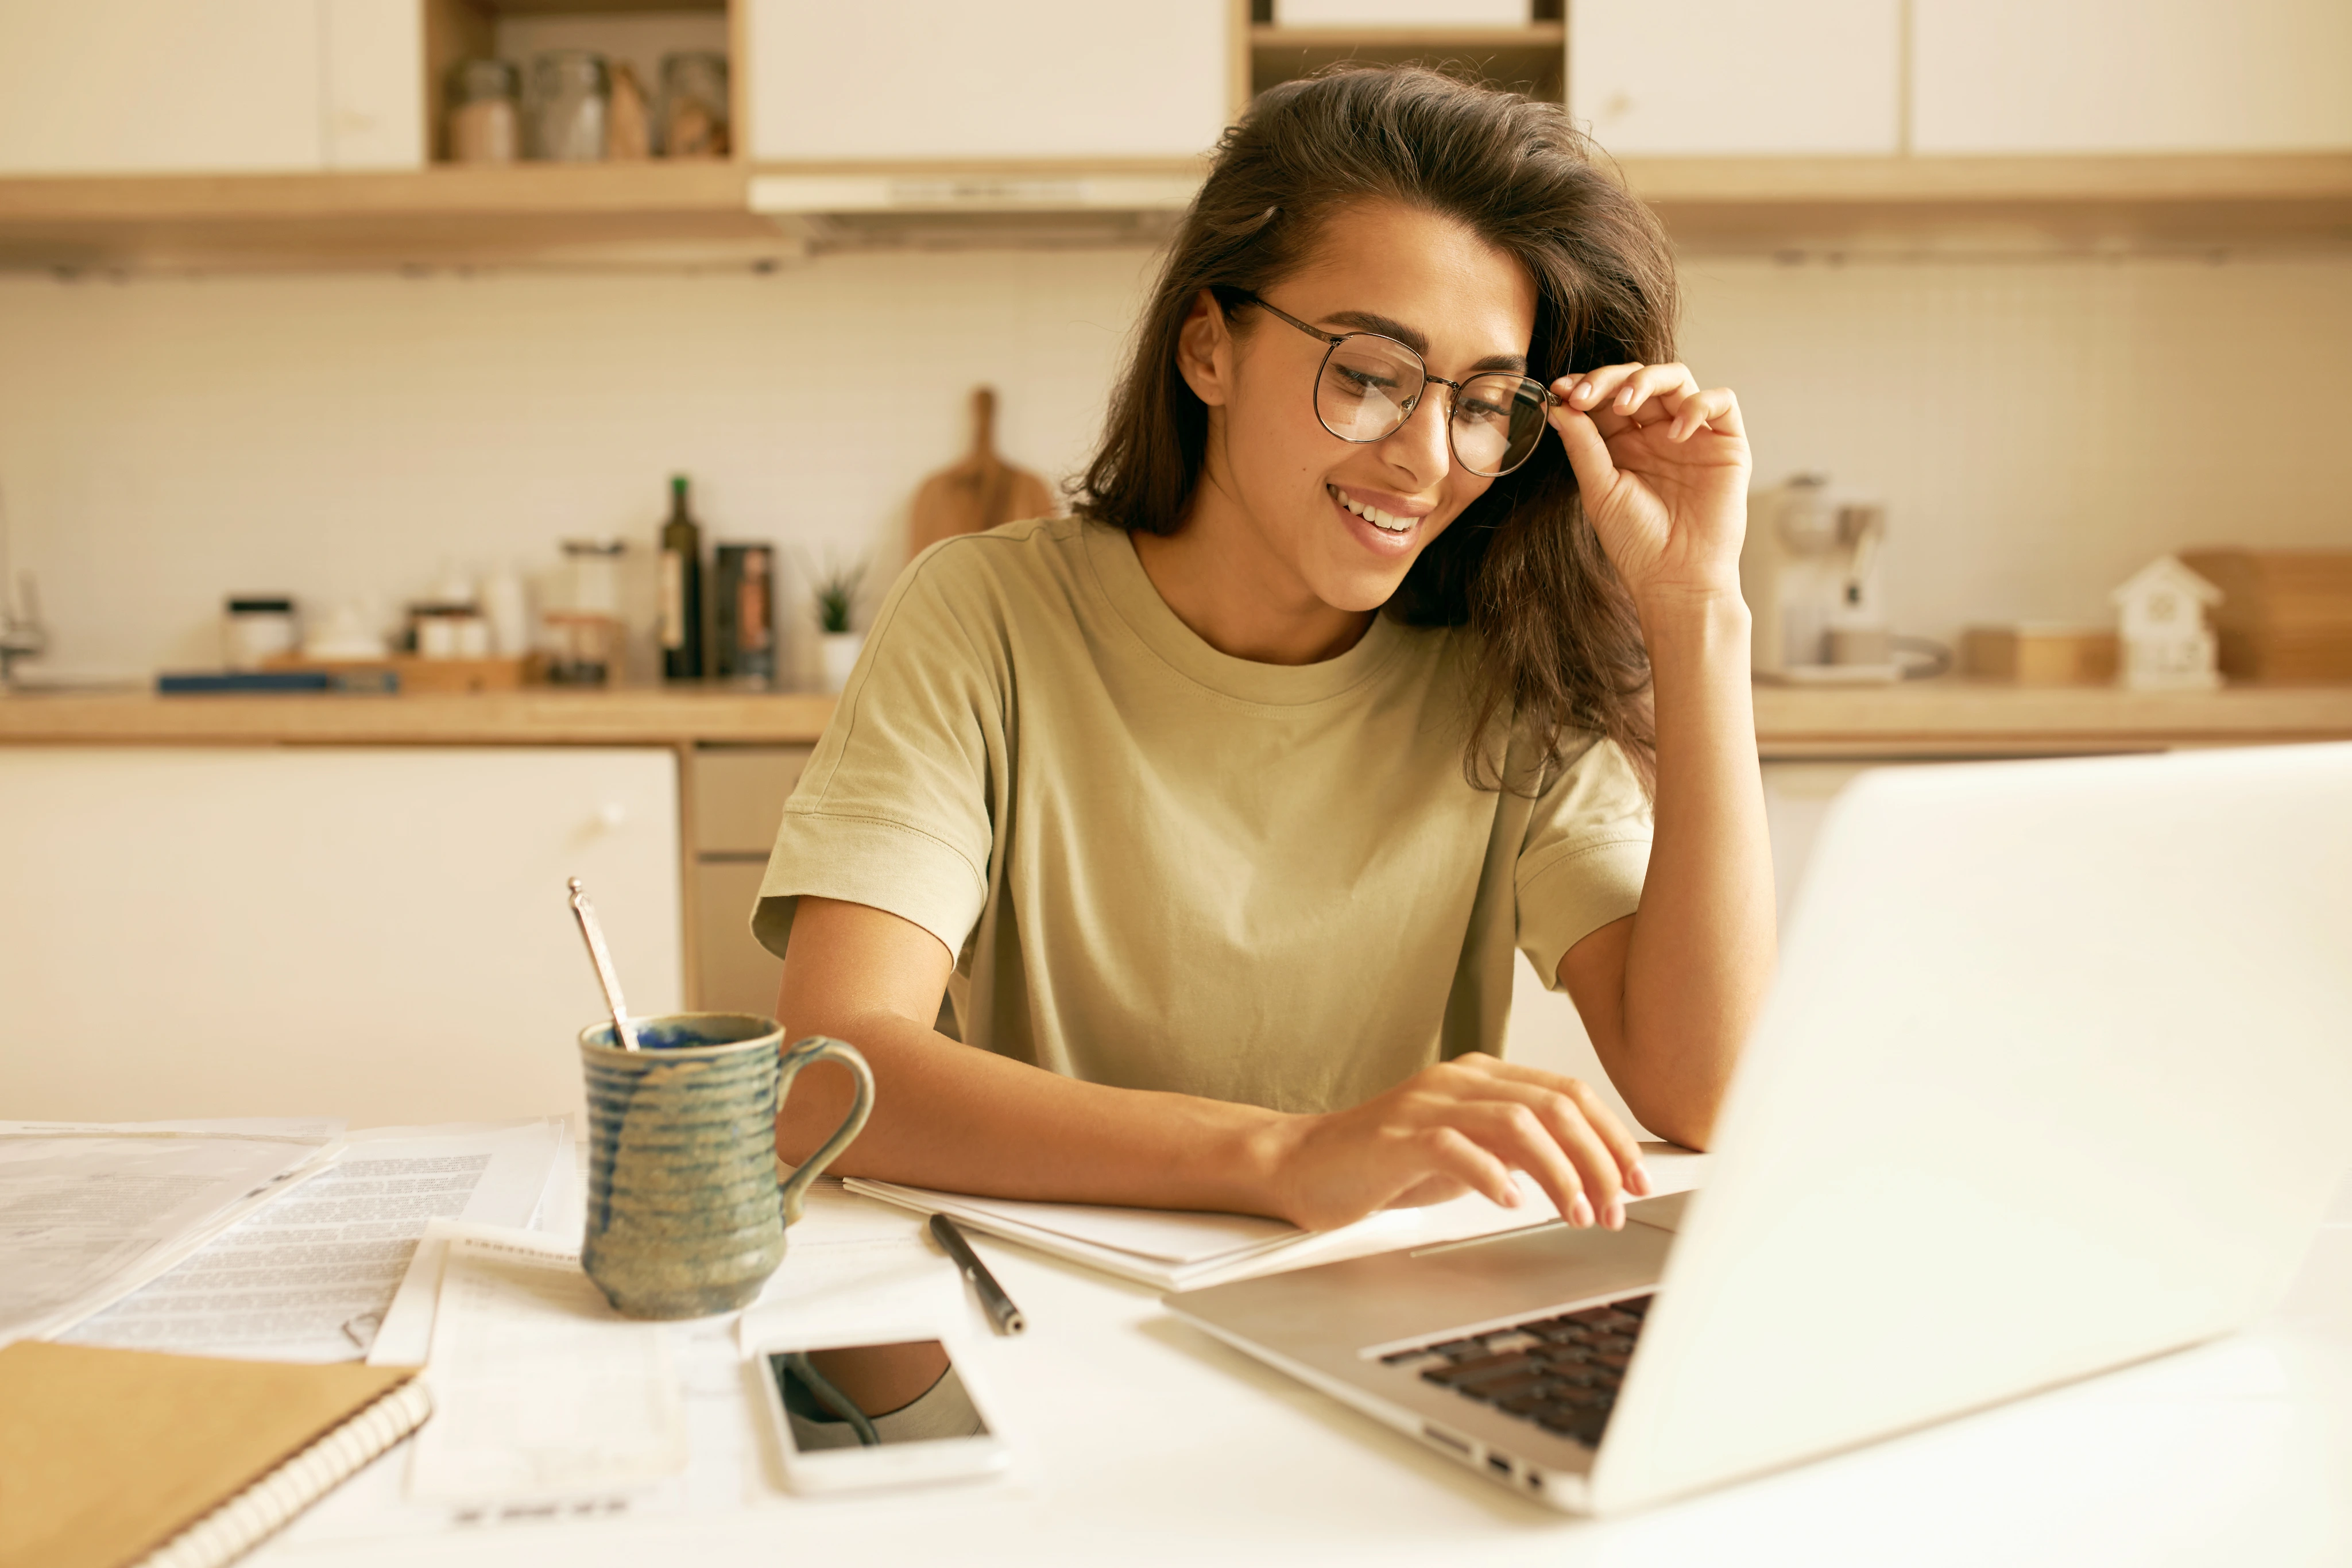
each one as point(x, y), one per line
point(1700, 953)
point(946, 1115)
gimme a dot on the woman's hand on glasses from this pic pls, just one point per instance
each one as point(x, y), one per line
point(1664, 468)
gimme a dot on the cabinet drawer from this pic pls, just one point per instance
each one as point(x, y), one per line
point(738, 797)
point(733, 974)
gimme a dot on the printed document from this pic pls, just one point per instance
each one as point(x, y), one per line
point(540, 1388)
point(311, 1278)
point(90, 1212)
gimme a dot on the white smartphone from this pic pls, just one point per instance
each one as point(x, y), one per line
point(852, 1414)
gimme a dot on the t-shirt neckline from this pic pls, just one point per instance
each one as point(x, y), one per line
point(1118, 571)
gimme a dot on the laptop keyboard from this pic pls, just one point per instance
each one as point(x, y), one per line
point(1561, 1374)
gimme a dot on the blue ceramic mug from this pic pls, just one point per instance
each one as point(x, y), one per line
point(685, 1215)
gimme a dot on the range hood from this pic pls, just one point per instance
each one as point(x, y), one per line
point(972, 208)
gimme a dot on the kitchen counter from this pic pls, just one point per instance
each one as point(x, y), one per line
point(546, 715)
point(1984, 718)
point(1927, 718)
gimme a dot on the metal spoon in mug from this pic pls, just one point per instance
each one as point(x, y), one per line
point(622, 1030)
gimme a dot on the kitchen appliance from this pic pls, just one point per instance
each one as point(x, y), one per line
point(1810, 571)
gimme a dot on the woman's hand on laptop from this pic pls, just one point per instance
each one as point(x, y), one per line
point(1460, 1126)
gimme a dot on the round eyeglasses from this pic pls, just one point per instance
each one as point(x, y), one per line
point(1368, 385)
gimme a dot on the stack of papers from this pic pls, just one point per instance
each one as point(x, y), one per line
point(1174, 1251)
point(90, 1212)
point(273, 1241)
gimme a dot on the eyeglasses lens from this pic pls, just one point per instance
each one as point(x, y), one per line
point(1497, 420)
point(1368, 385)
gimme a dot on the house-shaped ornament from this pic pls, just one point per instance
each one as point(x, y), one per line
point(2167, 645)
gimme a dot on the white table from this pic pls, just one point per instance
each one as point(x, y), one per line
point(1144, 1441)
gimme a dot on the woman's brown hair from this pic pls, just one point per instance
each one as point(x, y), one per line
point(1559, 644)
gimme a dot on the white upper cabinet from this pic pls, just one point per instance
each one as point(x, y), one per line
point(1701, 77)
point(906, 80)
point(2131, 76)
point(226, 86)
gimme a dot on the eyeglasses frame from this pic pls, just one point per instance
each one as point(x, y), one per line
point(1331, 342)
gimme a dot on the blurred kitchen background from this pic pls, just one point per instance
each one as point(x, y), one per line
point(314, 299)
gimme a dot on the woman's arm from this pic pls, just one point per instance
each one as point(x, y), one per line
point(1668, 994)
point(948, 1116)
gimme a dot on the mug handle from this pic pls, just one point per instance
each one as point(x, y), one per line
point(793, 1189)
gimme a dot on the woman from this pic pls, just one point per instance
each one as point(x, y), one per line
point(1221, 808)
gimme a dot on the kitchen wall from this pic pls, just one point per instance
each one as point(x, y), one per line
point(2038, 425)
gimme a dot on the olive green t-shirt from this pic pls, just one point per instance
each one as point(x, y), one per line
point(1161, 867)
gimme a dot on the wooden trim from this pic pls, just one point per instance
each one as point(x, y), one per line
point(533, 716)
point(1949, 716)
point(1532, 35)
point(663, 213)
point(689, 865)
point(2205, 177)
point(1239, 35)
point(738, 75)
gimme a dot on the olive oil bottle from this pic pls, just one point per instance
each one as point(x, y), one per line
point(681, 589)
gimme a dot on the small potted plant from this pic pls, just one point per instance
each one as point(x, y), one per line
point(836, 594)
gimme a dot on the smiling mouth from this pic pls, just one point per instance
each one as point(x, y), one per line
point(1371, 515)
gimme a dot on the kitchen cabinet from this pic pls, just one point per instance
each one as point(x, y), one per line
point(127, 87)
point(2130, 76)
point(1715, 77)
point(916, 80)
point(372, 933)
point(739, 795)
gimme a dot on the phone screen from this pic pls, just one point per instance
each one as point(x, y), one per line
point(873, 1396)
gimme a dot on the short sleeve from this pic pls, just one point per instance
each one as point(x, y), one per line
point(893, 811)
point(1584, 855)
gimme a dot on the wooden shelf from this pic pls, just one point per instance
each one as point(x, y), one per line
point(2187, 202)
point(453, 215)
point(698, 213)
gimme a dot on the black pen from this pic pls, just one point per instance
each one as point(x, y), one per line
point(1001, 1309)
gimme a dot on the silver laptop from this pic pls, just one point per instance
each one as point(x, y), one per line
point(2072, 1035)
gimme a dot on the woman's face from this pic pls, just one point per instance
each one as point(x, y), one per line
point(1347, 521)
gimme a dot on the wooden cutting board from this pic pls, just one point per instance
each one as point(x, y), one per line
point(977, 492)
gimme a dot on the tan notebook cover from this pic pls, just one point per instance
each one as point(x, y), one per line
point(107, 1454)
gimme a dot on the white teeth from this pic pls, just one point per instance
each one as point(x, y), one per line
point(1371, 515)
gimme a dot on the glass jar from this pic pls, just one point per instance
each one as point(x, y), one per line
point(694, 105)
point(484, 112)
point(570, 91)
point(256, 629)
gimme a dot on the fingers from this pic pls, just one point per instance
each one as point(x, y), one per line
point(1556, 1129)
point(1624, 1148)
point(1618, 396)
point(1566, 1160)
point(1588, 453)
point(1457, 1155)
point(1571, 1154)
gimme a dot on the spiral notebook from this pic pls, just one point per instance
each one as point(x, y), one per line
point(110, 1458)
